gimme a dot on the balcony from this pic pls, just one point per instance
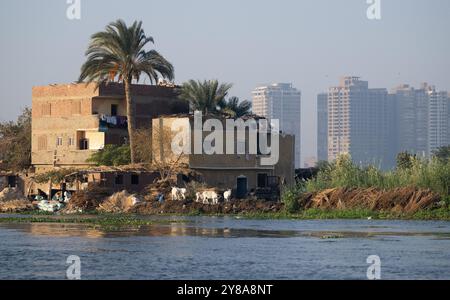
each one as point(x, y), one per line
point(109, 122)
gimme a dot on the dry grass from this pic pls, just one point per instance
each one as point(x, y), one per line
point(407, 200)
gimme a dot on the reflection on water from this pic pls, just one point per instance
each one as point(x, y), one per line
point(227, 248)
point(174, 230)
point(180, 229)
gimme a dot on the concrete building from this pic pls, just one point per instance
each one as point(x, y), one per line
point(421, 119)
point(448, 117)
point(411, 119)
point(283, 102)
point(72, 121)
point(322, 127)
point(438, 127)
point(224, 171)
point(359, 122)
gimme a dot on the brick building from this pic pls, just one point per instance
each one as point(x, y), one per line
point(72, 121)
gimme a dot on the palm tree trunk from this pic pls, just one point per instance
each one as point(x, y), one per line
point(131, 119)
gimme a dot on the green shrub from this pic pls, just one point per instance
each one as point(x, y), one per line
point(433, 174)
point(290, 197)
point(111, 155)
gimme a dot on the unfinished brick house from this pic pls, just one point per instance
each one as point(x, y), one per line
point(72, 121)
point(226, 171)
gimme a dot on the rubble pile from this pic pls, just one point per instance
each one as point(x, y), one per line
point(160, 187)
point(190, 207)
point(87, 200)
point(16, 206)
point(121, 202)
point(12, 201)
point(9, 194)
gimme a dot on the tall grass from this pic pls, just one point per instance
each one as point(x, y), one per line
point(433, 174)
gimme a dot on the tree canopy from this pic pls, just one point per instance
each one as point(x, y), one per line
point(15, 142)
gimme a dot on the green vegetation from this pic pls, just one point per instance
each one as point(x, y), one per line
point(100, 220)
point(433, 174)
point(209, 97)
point(111, 155)
point(236, 108)
point(355, 214)
point(119, 53)
point(290, 198)
point(15, 142)
point(205, 96)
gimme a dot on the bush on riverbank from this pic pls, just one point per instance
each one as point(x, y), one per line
point(433, 174)
point(420, 185)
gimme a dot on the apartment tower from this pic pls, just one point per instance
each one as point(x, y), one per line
point(283, 102)
point(359, 119)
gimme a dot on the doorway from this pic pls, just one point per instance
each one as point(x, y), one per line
point(241, 187)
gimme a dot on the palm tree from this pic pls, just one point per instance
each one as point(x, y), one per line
point(205, 96)
point(118, 52)
point(236, 108)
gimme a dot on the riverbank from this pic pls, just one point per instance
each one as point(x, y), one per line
point(121, 208)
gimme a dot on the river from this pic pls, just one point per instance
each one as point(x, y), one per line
point(229, 248)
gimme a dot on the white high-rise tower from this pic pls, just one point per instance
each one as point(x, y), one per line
point(283, 102)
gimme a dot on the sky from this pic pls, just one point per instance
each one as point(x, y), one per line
point(310, 43)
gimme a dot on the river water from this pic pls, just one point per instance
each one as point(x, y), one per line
point(229, 248)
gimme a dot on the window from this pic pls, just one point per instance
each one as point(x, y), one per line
point(46, 109)
point(134, 179)
point(119, 179)
point(42, 143)
point(12, 181)
point(113, 110)
point(262, 180)
point(59, 141)
point(84, 144)
point(71, 141)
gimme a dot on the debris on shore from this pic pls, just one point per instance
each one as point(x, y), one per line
point(9, 194)
point(191, 207)
point(16, 206)
point(50, 206)
point(121, 202)
point(87, 200)
point(12, 201)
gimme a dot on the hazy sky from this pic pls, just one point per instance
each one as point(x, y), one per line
point(310, 43)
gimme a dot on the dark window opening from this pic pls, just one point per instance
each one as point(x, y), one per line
point(12, 181)
point(135, 179)
point(119, 179)
point(113, 110)
point(262, 180)
point(84, 144)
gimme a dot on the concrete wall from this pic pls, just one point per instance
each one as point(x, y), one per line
point(222, 170)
